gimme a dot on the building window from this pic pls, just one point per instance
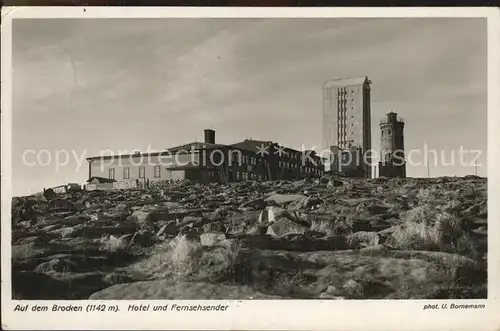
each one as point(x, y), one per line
point(111, 173)
point(157, 171)
point(142, 172)
point(126, 173)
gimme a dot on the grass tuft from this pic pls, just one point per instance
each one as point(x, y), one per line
point(424, 228)
point(182, 258)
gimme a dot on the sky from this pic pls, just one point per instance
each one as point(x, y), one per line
point(81, 86)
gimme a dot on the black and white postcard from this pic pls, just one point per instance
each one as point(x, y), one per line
point(250, 168)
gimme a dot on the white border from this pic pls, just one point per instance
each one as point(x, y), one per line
point(252, 315)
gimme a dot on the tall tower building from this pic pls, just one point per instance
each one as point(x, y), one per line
point(347, 124)
point(392, 158)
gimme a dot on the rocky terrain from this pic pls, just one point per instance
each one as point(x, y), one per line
point(323, 238)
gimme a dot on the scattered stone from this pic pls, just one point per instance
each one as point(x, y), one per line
point(353, 289)
point(304, 203)
point(122, 208)
point(61, 205)
point(121, 242)
point(142, 238)
point(168, 229)
point(331, 293)
point(285, 226)
point(270, 214)
point(49, 194)
point(214, 227)
point(303, 235)
point(161, 215)
point(254, 204)
point(52, 265)
point(283, 199)
point(260, 229)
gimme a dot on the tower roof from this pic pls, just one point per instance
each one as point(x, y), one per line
point(347, 81)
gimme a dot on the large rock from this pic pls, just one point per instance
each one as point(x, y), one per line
point(283, 199)
point(270, 214)
point(305, 203)
point(68, 232)
point(140, 216)
point(53, 265)
point(285, 226)
point(35, 249)
point(152, 214)
point(257, 204)
point(214, 227)
point(49, 194)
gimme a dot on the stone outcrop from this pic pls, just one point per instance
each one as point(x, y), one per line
point(329, 238)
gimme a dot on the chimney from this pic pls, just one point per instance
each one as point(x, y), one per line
point(209, 136)
point(391, 117)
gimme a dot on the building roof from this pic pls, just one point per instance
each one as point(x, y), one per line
point(193, 145)
point(341, 82)
point(187, 147)
point(101, 180)
point(246, 145)
point(256, 145)
point(251, 145)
